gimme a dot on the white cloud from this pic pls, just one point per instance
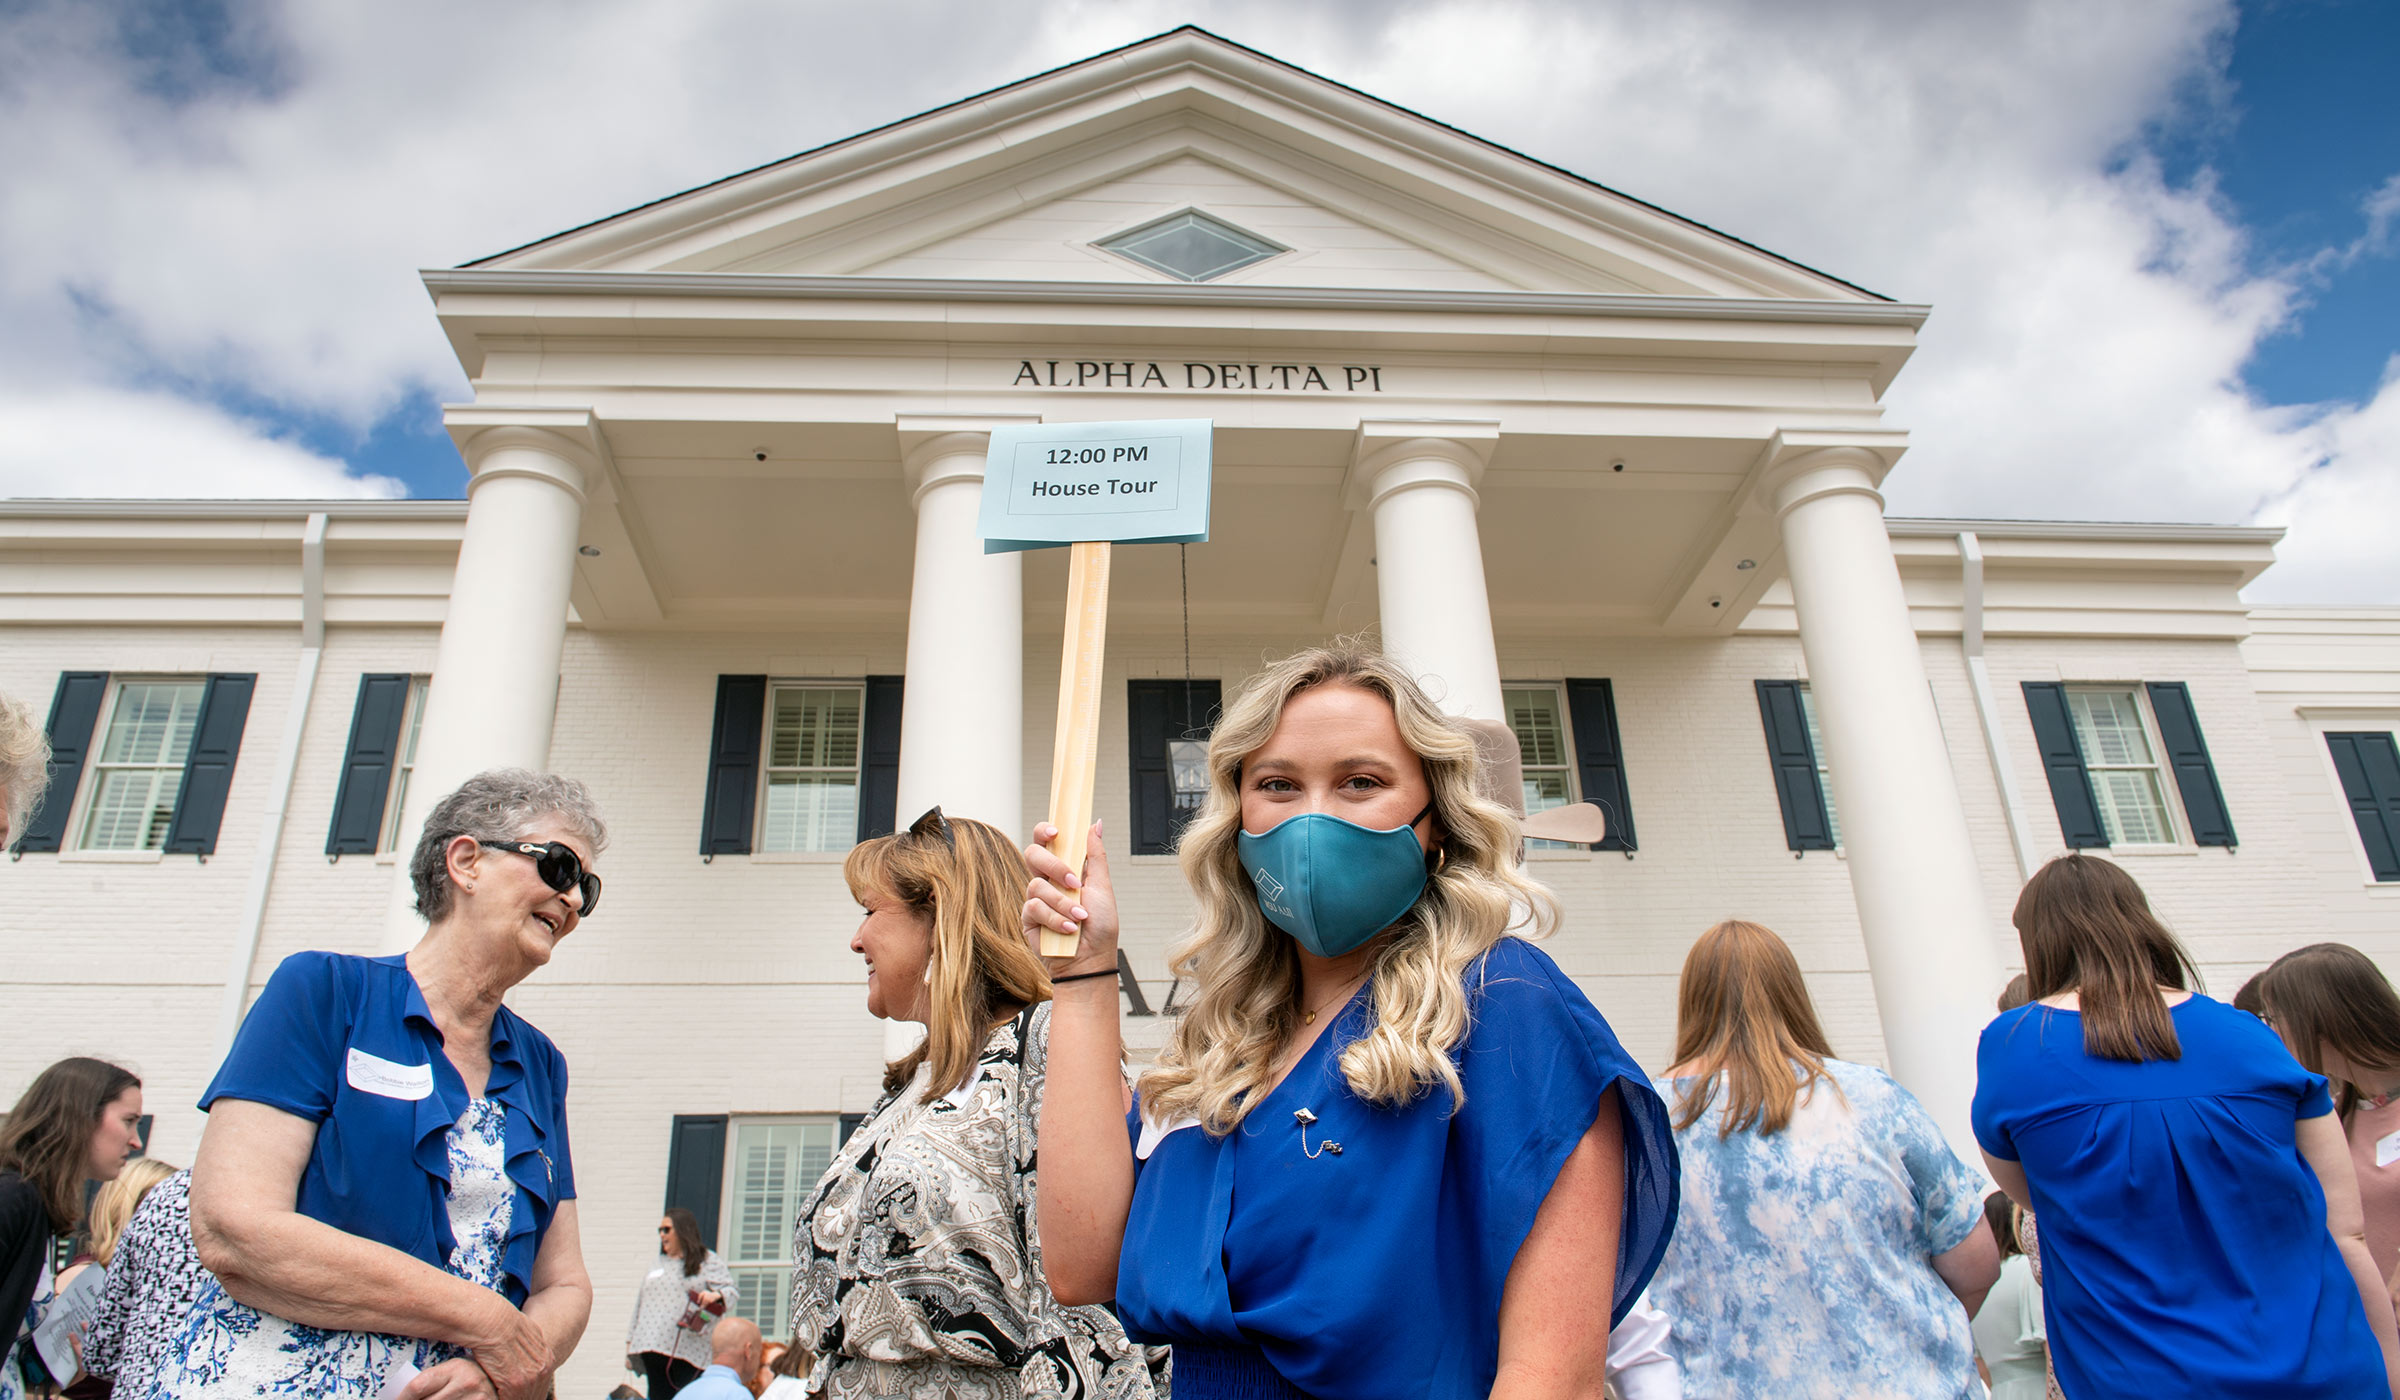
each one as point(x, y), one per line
point(105, 442)
point(2090, 322)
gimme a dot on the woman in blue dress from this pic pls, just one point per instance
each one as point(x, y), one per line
point(385, 1193)
point(1389, 1150)
point(2200, 1225)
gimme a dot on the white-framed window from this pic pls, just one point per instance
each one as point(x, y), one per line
point(1537, 711)
point(412, 724)
point(811, 772)
point(1816, 745)
point(138, 769)
point(771, 1164)
point(2120, 751)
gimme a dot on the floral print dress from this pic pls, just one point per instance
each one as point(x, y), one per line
point(232, 1351)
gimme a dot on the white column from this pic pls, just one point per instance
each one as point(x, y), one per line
point(962, 708)
point(1437, 616)
point(1912, 865)
point(495, 677)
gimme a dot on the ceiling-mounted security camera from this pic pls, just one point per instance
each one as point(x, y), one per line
point(759, 453)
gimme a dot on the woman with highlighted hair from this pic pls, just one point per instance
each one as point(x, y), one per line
point(1390, 1150)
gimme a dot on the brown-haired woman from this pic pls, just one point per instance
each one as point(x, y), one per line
point(919, 1265)
point(2333, 1007)
point(80, 1120)
point(2199, 1218)
point(1830, 1241)
point(677, 1306)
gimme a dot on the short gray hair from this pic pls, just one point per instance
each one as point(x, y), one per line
point(501, 804)
point(24, 763)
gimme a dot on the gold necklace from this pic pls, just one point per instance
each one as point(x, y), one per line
point(1309, 1018)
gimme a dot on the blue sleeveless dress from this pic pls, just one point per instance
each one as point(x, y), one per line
point(1278, 1264)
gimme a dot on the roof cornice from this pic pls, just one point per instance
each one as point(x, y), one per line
point(2127, 531)
point(218, 509)
point(521, 282)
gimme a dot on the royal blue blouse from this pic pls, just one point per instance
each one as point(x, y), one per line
point(2184, 1249)
point(348, 1044)
point(1375, 1270)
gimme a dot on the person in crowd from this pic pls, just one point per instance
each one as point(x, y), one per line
point(918, 1264)
point(675, 1310)
point(2250, 996)
point(2008, 1327)
point(1390, 1150)
point(2340, 1018)
point(1831, 1241)
point(79, 1121)
point(111, 1211)
point(24, 767)
point(769, 1356)
point(2027, 1236)
point(733, 1361)
point(787, 1373)
point(385, 1184)
point(2200, 1224)
point(154, 1277)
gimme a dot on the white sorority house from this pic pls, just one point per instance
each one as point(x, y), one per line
point(1589, 467)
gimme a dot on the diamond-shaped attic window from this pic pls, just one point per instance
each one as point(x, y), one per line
point(1191, 245)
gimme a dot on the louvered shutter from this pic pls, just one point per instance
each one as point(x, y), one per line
point(2369, 768)
point(2062, 760)
point(879, 759)
point(74, 710)
point(727, 813)
point(1805, 827)
point(208, 769)
point(368, 766)
point(696, 1168)
point(1600, 755)
point(2187, 753)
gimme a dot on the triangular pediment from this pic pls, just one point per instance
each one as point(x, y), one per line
point(1022, 184)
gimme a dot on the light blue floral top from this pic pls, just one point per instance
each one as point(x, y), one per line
point(1801, 1265)
point(232, 1351)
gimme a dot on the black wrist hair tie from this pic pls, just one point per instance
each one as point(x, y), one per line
point(1085, 976)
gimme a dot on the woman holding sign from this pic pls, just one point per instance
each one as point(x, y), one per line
point(1390, 1150)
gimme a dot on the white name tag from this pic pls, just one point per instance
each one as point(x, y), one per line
point(378, 1075)
point(2387, 1150)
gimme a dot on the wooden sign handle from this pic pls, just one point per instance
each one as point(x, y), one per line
point(1074, 763)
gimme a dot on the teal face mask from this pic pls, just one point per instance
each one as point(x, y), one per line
point(1334, 884)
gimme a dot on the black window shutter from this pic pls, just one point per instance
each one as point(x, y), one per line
point(2369, 767)
point(850, 1123)
point(733, 756)
point(2062, 760)
point(74, 710)
point(696, 1169)
point(1805, 827)
point(208, 769)
point(368, 767)
point(1592, 710)
point(1157, 713)
point(2187, 752)
point(879, 759)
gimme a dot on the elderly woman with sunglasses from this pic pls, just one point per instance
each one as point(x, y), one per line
point(385, 1193)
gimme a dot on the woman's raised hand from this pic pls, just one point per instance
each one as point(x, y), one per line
point(1081, 903)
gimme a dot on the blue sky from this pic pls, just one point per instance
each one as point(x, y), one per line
point(2309, 128)
point(2161, 239)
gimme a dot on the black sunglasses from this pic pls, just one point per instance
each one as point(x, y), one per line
point(933, 823)
point(558, 865)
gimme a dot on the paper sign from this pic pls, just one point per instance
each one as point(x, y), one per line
point(1049, 484)
point(396, 1379)
point(378, 1075)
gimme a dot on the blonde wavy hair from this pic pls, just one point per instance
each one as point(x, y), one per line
point(112, 1208)
point(1220, 1059)
point(970, 880)
point(24, 765)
